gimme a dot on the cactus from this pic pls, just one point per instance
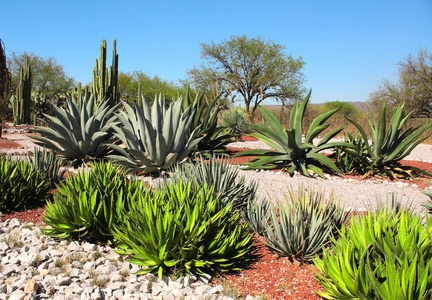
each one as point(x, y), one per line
point(22, 100)
point(105, 80)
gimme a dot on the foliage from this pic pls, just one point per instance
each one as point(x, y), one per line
point(291, 152)
point(155, 137)
point(88, 205)
point(346, 161)
point(20, 185)
point(47, 163)
point(235, 122)
point(105, 80)
point(49, 77)
point(176, 228)
point(5, 79)
point(344, 109)
point(131, 83)
point(413, 87)
point(21, 101)
point(301, 227)
point(213, 137)
point(379, 256)
point(389, 146)
point(253, 69)
point(79, 132)
point(220, 174)
point(257, 214)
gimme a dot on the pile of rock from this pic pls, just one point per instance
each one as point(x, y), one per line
point(34, 266)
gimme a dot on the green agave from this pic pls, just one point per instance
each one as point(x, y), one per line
point(21, 185)
point(379, 256)
point(301, 227)
point(48, 164)
point(176, 228)
point(154, 138)
point(217, 172)
point(79, 132)
point(391, 145)
point(291, 152)
point(213, 137)
point(88, 205)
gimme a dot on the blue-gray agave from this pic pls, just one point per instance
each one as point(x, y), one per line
point(156, 137)
point(78, 132)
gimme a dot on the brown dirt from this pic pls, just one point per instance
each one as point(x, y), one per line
point(8, 144)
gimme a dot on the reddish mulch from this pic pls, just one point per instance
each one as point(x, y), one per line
point(8, 144)
point(267, 274)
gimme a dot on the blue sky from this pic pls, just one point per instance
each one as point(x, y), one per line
point(349, 46)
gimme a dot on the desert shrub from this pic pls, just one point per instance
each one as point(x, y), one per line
point(21, 185)
point(379, 256)
point(177, 228)
point(235, 122)
point(301, 227)
point(88, 205)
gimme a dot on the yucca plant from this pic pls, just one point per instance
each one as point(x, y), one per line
point(256, 215)
point(217, 172)
point(213, 137)
point(291, 152)
point(88, 205)
point(21, 185)
point(154, 138)
point(48, 164)
point(236, 122)
point(301, 227)
point(391, 145)
point(79, 132)
point(176, 228)
point(385, 255)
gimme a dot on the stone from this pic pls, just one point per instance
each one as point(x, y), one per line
point(31, 286)
point(18, 294)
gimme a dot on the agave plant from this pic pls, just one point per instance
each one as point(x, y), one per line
point(345, 161)
point(391, 145)
point(291, 152)
point(236, 122)
point(213, 137)
point(217, 172)
point(155, 138)
point(78, 132)
point(301, 227)
point(385, 255)
point(48, 164)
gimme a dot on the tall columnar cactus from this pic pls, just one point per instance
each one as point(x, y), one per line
point(105, 80)
point(22, 100)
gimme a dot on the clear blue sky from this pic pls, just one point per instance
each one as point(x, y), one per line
point(349, 46)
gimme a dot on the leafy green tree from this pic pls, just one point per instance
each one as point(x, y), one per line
point(130, 82)
point(49, 78)
point(414, 86)
point(345, 109)
point(253, 70)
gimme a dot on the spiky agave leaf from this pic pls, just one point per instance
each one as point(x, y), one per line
point(78, 132)
point(154, 138)
point(291, 152)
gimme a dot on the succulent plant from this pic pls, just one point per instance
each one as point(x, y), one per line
point(391, 145)
point(79, 132)
point(48, 164)
point(154, 138)
point(291, 152)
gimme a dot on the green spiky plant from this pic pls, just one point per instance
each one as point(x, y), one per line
point(213, 137)
point(383, 255)
point(48, 164)
point(155, 138)
point(236, 122)
point(79, 132)
point(182, 230)
point(217, 172)
point(345, 161)
point(291, 152)
point(389, 146)
point(301, 227)
point(21, 102)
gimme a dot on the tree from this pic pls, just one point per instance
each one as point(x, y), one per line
point(254, 70)
point(414, 86)
point(5, 80)
point(49, 78)
point(128, 86)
